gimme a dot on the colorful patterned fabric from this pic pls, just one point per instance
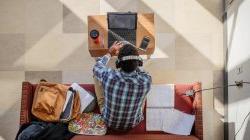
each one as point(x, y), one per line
point(88, 124)
point(124, 94)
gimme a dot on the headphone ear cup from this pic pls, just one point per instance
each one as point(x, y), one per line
point(140, 63)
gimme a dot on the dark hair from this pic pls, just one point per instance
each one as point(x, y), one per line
point(128, 65)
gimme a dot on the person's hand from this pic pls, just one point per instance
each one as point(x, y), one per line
point(114, 49)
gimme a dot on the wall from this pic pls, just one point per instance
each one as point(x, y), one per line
point(48, 39)
point(238, 33)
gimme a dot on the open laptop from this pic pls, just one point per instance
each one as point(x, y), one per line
point(122, 27)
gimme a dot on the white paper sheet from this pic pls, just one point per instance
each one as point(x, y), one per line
point(85, 97)
point(154, 119)
point(161, 96)
point(177, 122)
point(169, 120)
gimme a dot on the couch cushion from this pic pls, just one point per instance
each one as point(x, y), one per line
point(135, 137)
point(28, 91)
point(182, 102)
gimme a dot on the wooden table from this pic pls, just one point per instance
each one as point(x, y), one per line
point(145, 27)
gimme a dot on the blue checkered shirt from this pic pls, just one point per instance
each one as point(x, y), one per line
point(124, 94)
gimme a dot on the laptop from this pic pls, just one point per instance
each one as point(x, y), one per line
point(122, 27)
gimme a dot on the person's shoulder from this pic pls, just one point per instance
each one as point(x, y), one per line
point(143, 73)
point(144, 78)
point(113, 72)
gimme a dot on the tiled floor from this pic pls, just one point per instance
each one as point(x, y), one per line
point(11, 51)
point(48, 39)
point(36, 76)
point(10, 82)
point(12, 13)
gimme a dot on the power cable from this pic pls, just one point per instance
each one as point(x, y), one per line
point(241, 125)
point(237, 83)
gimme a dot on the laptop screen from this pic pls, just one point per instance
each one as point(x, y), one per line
point(122, 21)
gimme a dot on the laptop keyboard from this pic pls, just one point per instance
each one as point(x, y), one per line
point(126, 36)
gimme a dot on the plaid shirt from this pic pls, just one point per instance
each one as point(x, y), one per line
point(124, 94)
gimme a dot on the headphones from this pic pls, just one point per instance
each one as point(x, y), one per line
point(130, 57)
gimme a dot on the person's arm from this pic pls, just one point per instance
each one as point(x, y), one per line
point(100, 68)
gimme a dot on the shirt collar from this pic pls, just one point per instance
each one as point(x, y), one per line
point(133, 73)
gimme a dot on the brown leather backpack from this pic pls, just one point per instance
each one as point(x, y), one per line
point(49, 99)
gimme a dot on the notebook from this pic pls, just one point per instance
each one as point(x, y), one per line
point(68, 106)
point(85, 97)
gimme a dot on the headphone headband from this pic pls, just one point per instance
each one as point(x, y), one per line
point(131, 57)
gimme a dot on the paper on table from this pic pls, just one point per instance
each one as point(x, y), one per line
point(177, 122)
point(85, 97)
point(161, 96)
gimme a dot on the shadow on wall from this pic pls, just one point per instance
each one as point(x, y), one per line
point(243, 93)
point(235, 6)
point(231, 127)
point(212, 6)
point(247, 130)
point(234, 95)
point(227, 47)
point(232, 74)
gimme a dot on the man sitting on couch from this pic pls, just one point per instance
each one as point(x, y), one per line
point(121, 93)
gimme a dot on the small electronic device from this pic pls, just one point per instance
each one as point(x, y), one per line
point(144, 43)
point(122, 27)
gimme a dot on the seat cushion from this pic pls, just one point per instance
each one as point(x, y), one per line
point(135, 137)
point(139, 132)
point(182, 102)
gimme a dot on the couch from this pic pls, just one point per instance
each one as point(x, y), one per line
point(183, 103)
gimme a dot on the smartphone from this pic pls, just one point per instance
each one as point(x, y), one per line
point(144, 43)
